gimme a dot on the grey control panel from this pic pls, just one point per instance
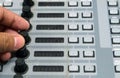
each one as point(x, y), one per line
point(66, 39)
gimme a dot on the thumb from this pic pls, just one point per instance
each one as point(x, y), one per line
point(10, 42)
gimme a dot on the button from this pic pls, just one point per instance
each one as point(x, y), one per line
point(88, 39)
point(116, 40)
point(115, 30)
point(8, 3)
point(73, 27)
point(117, 68)
point(73, 40)
point(22, 53)
point(20, 67)
point(114, 20)
point(28, 3)
point(18, 76)
point(86, 3)
point(113, 12)
point(116, 53)
point(87, 27)
point(87, 14)
point(73, 53)
point(112, 3)
point(72, 3)
point(89, 68)
point(74, 68)
point(72, 15)
point(88, 53)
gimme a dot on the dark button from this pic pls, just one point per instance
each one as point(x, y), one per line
point(28, 2)
point(22, 53)
point(26, 36)
point(27, 12)
point(20, 67)
point(30, 26)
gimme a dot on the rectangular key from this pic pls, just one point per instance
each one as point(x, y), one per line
point(51, 4)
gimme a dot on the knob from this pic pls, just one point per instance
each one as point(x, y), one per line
point(20, 67)
point(28, 2)
point(26, 36)
point(27, 12)
point(22, 53)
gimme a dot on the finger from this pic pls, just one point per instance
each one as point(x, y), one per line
point(10, 42)
point(12, 20)
point(5, 56)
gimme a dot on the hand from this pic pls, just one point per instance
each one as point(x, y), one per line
point(10, 40)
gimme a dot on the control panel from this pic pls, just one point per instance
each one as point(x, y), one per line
point(66, 39)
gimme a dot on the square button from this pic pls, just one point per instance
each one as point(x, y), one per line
point(87, 27)
point(89, 68)
point(73, 40)
point(112, 3)
point(8, 3)
point(117, 68)
point(89, 53)
point(73, 15)
point(114, 20)
point(86, 14)
point(113, 11)
point(116, 40)
point(73, 68)
point(86, 3)
point(73, 53)
point(116, 53)
point(72, 3)
point(73, 27)
point(88, 39)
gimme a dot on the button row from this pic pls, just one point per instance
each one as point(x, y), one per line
point(86, 53)
point(86, 68)
point(85, 40)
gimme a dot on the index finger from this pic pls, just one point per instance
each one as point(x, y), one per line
point(12, 20)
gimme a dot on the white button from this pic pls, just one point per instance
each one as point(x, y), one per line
point(89, 53)
point(73, 3)
point(113, 11)
point(112, 3)
point(73, 40)
point(88, 39)
point(8, 3)
point(115, 30)
point(116, 40)
point(87, 14)
point(73, 27)
point(74, 68)
point(117, 68)
point(86, 3)
point(89, 68)
point(114, 20)
point(72, 15)
point(87, 27)
point(73, 53)
point(116, 53)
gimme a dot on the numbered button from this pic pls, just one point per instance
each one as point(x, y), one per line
point(73, 68)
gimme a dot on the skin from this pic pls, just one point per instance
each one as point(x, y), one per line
point(10, 40)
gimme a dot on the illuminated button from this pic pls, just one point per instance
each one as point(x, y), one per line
point(116, 53)
point(8, 3)
point(88, 39)
point(87, 14)
point(72, 15)
point(86, 3)
point(114, 20)
point(89, 68)
point(74, 68)
point(73, 53)
point(112, 3)
point(72, 3)
point(88, 53)
point(73, 27)
point(116, 40)
point(87, 27)
point(117, 68)
point(73, 40)
point(115, 30)
point(113, 12)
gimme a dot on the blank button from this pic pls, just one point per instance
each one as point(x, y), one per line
point(114, 20)
point(86, 14)
point(88, 39)
point(87, 27)
point(73, 27)
point(72, 15)
point(89, 68)
point(112, 3)
point(88, 53)
point(73, 53)
point(72, 3)
point(116, 53)
point(113, 12)
point(115, 30)
point(74, 68)
point(86, 3)
point(117, 68)
point(116, 40)
point(8, 3)
point(73, 40)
